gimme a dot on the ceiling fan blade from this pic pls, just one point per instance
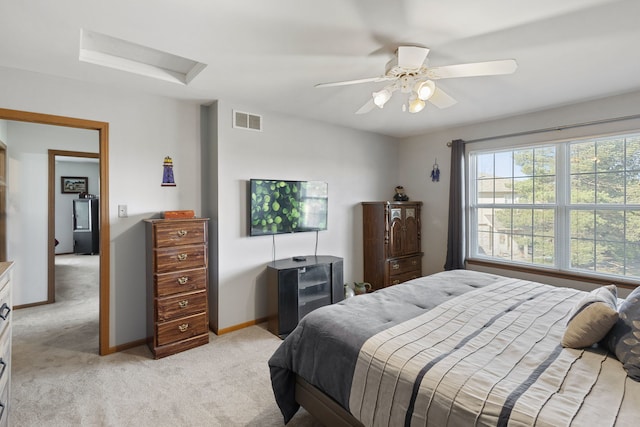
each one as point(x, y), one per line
point(489, 68)
point(366, 107)
point(442, 99)
point(354, 82)
point(411, 57)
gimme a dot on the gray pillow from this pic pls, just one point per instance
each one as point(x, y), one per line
point(624, 338)
point(591, 318)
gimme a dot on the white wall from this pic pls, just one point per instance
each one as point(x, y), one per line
point(418, 153)
point(3, 130)
point(358, 166)
point(27, 199)
point(142, 130)
point(64, 201)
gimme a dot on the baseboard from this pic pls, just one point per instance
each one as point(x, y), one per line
point(132, 344)
point(127, 346)
point(32, 304)
point(239, 326)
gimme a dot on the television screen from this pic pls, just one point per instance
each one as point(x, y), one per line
point(278, 206)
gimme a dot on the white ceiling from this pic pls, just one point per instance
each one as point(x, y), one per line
point(270, 54)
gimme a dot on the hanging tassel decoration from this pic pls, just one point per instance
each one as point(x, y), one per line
point(435, 172)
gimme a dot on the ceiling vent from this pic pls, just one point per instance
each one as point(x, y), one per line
point(108, 51)
point(247, 121)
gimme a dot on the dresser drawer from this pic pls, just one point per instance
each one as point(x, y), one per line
point(175, 233)
point(400, 278)
point(181, 281)
point(401, 266)
point(181, 305)
point(180, 329)
point(180, 258)
point(4, 404)
point(5, 308)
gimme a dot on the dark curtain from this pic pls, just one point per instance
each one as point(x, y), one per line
point(455, 239)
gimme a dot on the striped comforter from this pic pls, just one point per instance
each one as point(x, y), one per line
point(491, 356)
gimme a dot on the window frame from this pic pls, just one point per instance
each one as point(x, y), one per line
point(562, 207)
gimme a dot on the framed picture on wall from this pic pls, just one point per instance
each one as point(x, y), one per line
point(74, 184)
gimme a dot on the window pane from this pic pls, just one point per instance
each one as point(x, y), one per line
point(633, 153)
point(632, 240)
point(610, 155)
point(504, 165)
point(633, 188)
point(582, 157)
point(523, 163)
point(632, 263)
point(610, 226)
point(545, 161)
point(610, 188)
point(582, 254)
point(485, 165)
point(582, 224)
point(522, 248)
point(485, 190)
point(502, 220)
point(523, 190)
point(523, 221)
point(610, 257)
point(485, 231)
point(544, 222)
point(503, 190)
point(544, 190)
point(583, 189)
point(544, 250)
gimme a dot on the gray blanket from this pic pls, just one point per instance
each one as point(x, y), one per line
point(324, 348)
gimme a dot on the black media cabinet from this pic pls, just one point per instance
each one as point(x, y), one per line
point(295, 288)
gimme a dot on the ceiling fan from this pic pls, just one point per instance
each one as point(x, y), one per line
point(408, 73)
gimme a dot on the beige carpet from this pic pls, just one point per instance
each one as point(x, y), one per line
point(58, 379)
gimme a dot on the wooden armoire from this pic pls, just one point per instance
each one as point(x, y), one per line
point(392, 242)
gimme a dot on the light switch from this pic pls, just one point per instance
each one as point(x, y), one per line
point(122, 211)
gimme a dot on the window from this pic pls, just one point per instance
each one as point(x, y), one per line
point(572, 205)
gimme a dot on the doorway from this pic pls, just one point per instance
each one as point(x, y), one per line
point(55, 155)
point(103, 136)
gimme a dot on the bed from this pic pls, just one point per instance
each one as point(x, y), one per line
point(456, 348)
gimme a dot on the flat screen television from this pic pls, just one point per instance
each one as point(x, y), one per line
point(279, 206)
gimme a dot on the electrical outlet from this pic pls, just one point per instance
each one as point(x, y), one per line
point(122, 211)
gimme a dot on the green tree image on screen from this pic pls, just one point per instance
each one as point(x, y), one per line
point(287, 206)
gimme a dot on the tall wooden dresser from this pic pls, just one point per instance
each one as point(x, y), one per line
point(392, 242)
point(5, 341)
point(177, 262)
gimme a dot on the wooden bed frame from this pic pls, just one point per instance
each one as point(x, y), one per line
point(322, 407)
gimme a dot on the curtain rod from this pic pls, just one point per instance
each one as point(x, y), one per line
point(551, 129)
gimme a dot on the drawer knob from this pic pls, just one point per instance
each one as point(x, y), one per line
point(4, 311)
point(183, 327)
point(414, 262)
point(395, 266)
point(183, 303)
point(183, 280)
point(182, 233)
point(182, 257)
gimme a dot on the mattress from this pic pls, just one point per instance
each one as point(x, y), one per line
point(455, 348)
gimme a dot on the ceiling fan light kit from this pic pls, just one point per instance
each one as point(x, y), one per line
point(381, 97)
point(410, 74)
point(424, 90)
point(416, 105)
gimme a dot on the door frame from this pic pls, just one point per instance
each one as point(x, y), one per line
point(3, 201)
point(105, 262)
